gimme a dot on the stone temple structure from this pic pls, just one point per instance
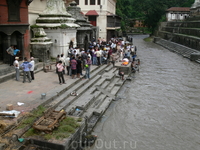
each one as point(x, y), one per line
point(59, 27)
point(41, 45)
point(84, 33)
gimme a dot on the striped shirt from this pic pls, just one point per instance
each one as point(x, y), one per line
point(73, 64)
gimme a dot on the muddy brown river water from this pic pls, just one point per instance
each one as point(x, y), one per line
point(159, 109)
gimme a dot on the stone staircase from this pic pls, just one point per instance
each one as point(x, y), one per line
point(178, 48)
point(186, 33)
point(94, 95)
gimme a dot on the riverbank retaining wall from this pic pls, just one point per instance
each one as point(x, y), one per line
point(186, 33)
point(178, 48)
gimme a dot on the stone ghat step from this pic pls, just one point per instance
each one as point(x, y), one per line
point(69, 100)
point(73, 87)
point(180, 49)
point(53, 97)
point(184, 52)
point(89, 95)
point(89, 99)
point(184, 31)
point(198, 60)
point(176, 47)
point(186, 24)
point(180, 35)
point(99, 109)
point(102, 101)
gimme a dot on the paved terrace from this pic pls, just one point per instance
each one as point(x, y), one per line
point(13, 91)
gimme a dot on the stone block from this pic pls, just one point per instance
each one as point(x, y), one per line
point(194, 56)
point(9, 107)
point(156, 39)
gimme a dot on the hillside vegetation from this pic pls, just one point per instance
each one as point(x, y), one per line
point(151, 11)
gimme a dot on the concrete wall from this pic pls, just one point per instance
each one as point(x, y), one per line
point(61, 39)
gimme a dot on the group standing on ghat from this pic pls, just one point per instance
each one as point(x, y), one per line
point(98, 53)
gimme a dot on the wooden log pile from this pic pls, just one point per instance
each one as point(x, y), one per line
point(49, 120)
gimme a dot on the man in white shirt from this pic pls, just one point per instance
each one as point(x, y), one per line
point(98, 54)
point(16, 65)
point(67, 63)
point(32, 62)
point(63, 62)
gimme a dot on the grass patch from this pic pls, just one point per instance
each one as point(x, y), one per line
point(67, 127)
point(148, 39)
point(79, 119)
point(31, 117)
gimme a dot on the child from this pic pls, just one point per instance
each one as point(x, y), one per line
point(121, 74)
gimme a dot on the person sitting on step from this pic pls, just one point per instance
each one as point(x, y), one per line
point(121, 74)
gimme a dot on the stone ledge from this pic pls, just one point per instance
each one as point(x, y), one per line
point(194, 56)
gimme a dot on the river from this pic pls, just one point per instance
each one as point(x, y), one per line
point(159, 108)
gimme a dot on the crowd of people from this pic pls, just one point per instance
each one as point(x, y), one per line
point(98, 53)
point(26, 66)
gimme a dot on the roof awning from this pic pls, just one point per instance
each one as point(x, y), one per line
point(92, 13)
point(179, 9)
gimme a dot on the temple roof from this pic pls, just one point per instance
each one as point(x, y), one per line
point(179, 9)
point(92, 13)
point(78, 15)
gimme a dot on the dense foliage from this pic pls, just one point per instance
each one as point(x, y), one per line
point(151, 11)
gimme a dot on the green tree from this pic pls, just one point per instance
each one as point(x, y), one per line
point(150, 10)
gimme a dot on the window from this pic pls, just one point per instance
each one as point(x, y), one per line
point(99, 2)
point(92, 2)
point(13, 10)
point(77, 1)
point(86, 2)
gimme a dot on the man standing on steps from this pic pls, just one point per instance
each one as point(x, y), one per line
point(26, 69)
point(84, 59)
point(16, 65)
point(10, 51)
point(32, 62)
point(88, 65)
point(73, 64)
point(67, 63)
point(63, 62)
point(98, 54)
point(60, 72)
point(113, 59)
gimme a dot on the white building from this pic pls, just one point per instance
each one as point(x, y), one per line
point(177, 13)
point(102, 14)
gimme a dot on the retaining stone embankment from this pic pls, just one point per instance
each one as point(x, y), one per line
point(186, 33)
point(180, 49)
